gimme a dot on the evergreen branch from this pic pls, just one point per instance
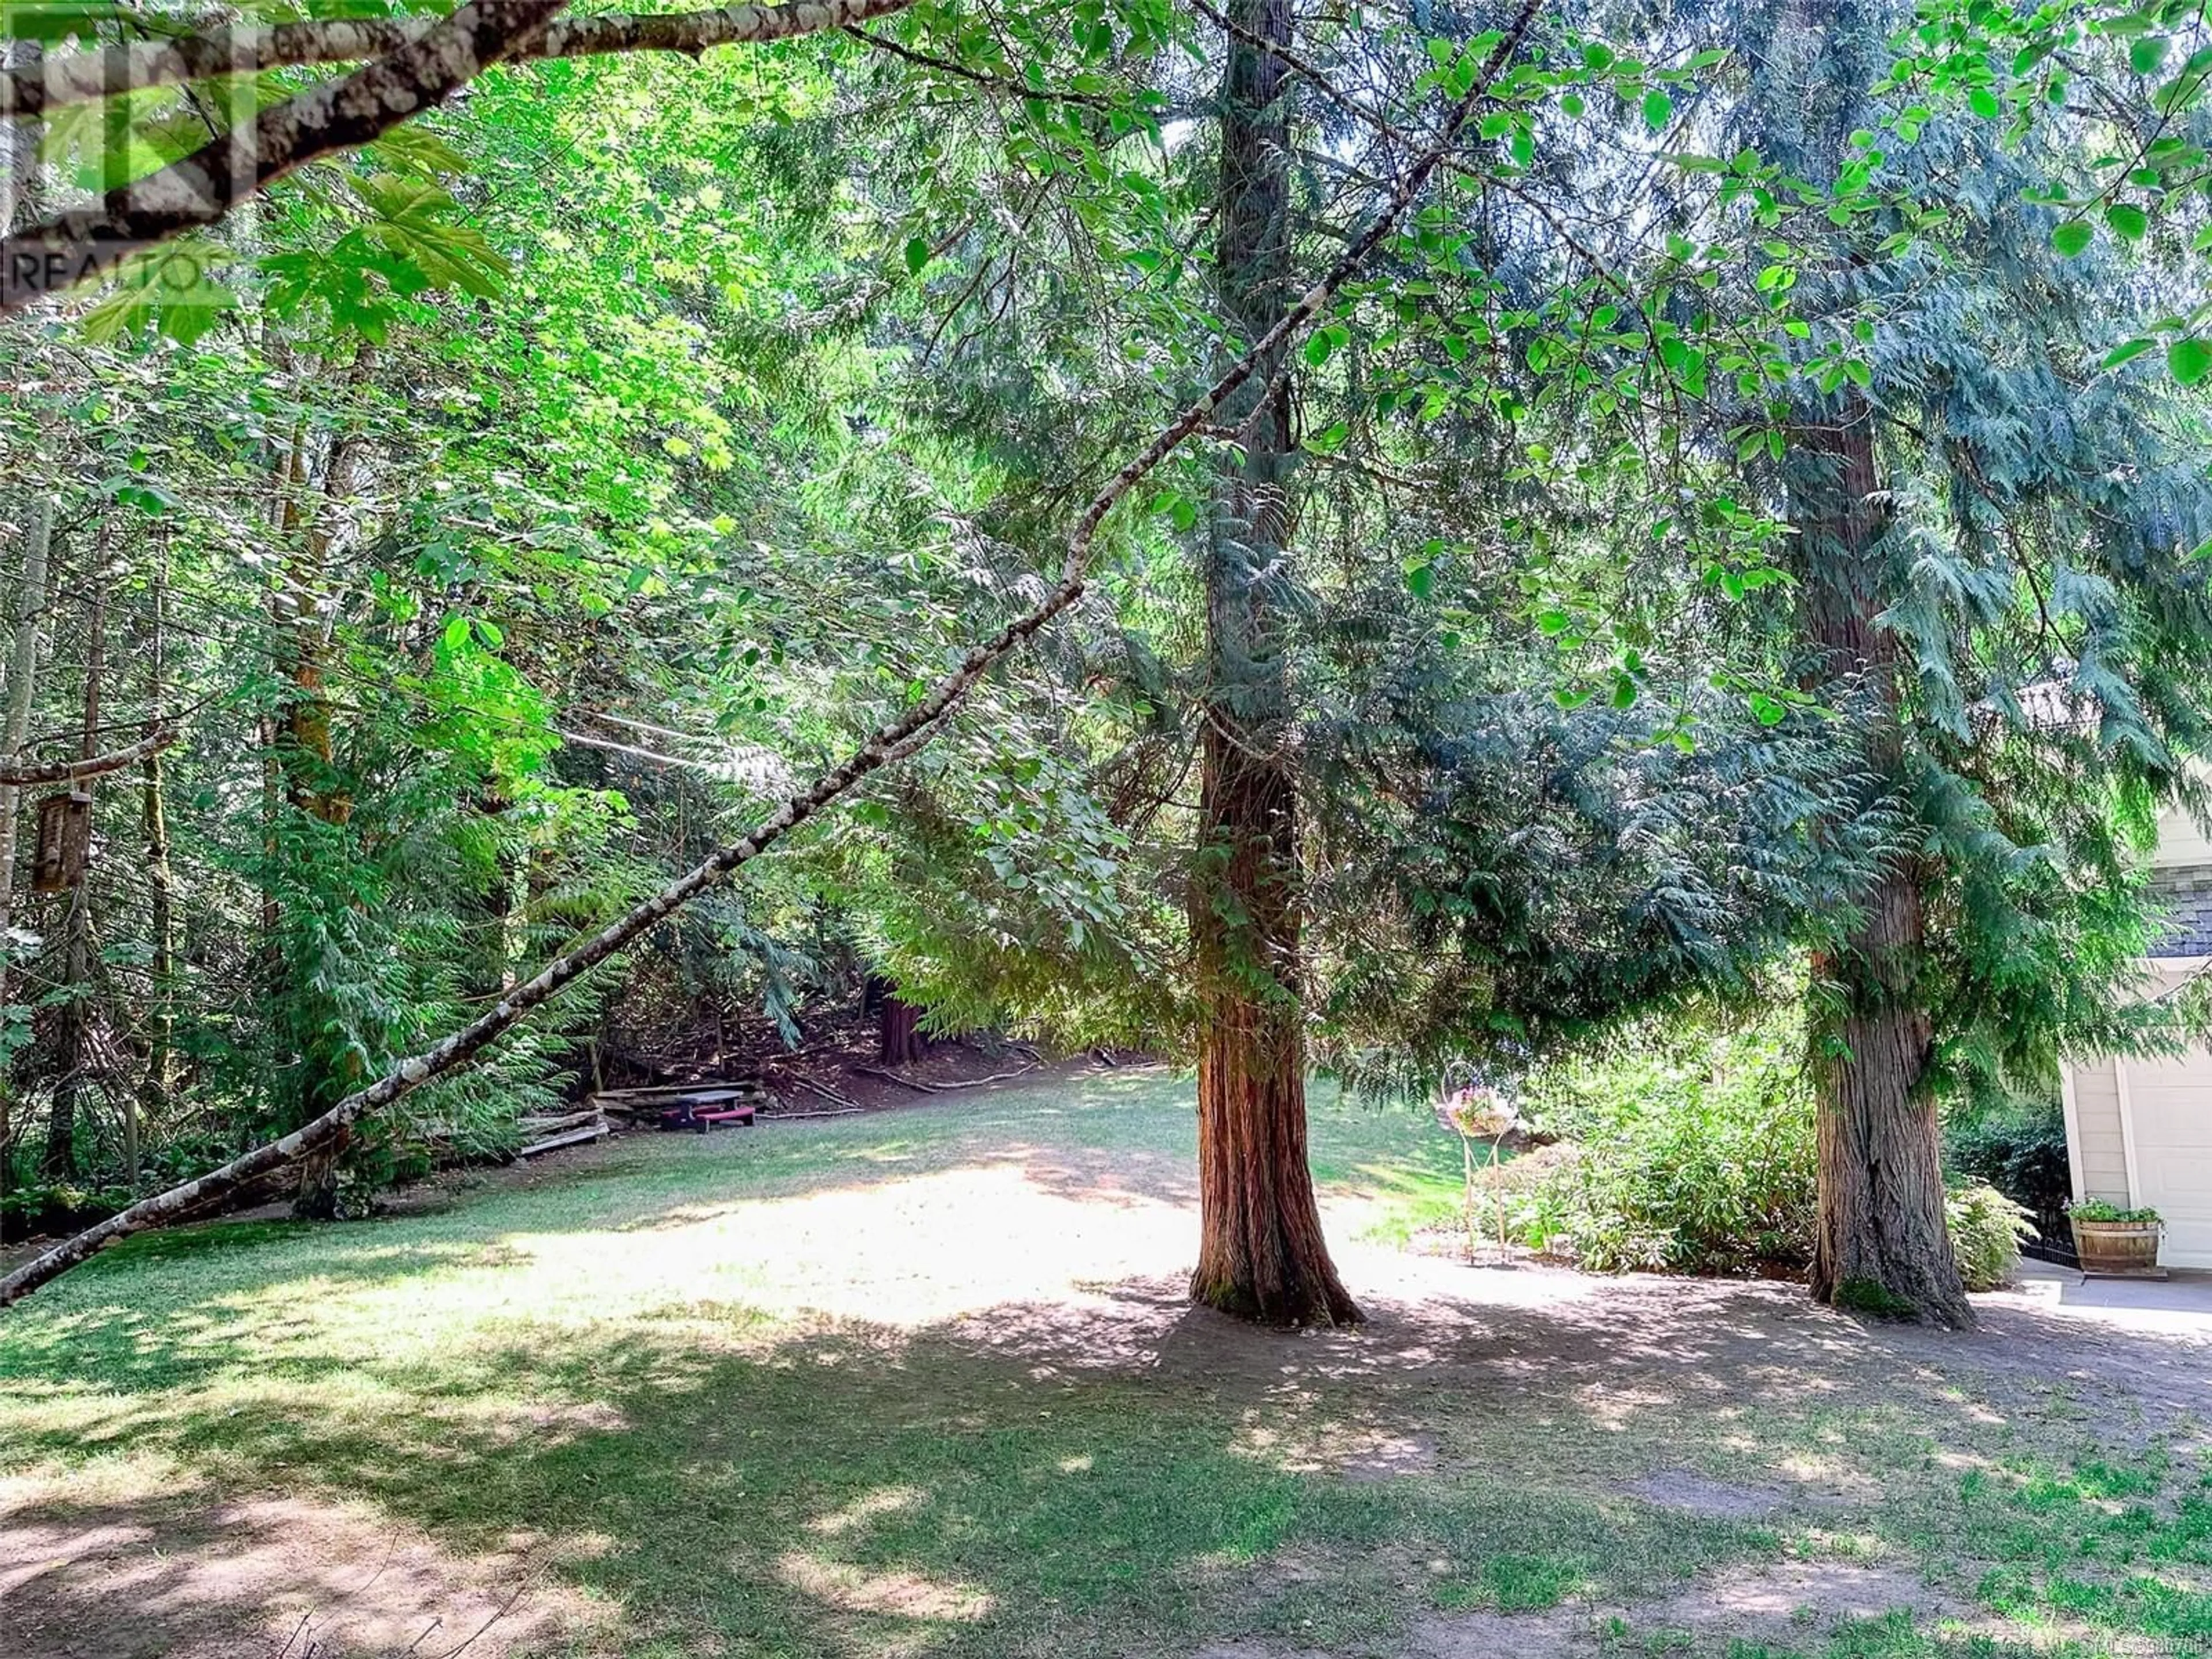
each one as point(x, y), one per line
point(887, 742)
point(200, 190)
point(997, 83)
point(37, 90)
point(1300, 67)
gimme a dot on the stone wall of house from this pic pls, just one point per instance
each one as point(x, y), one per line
point(2185, 892)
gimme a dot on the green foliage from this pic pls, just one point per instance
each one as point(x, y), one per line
point(2151, 168)
point(696, 413)
point(1986, 1230)
point(1874, 1298)
point(1694, 1150)
point(26, 1206)
point(1688, 1145)
point(2102, 1209)
point(2019, 1147)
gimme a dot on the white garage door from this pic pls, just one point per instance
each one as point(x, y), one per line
point(2169, 1108)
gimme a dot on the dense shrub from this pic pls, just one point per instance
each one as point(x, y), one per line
point(44, 1207)
point(1689, 1146)
point(2019, 1149)
point(1986, 1230)
point(1693, 1151)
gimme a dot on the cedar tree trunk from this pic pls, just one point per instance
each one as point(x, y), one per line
point(314, 785)
point(898, 1028)
point(73, 1058)
point(1881, 1245)
point(1262, 1252)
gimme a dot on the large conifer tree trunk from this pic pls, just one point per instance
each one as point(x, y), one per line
point(1262, 1252)
point(1881, 1244)
point(73, 1015)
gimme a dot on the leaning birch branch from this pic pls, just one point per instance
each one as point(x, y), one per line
point(85, 77)
point(887, 741)
point(90, 766)
point(197, 190)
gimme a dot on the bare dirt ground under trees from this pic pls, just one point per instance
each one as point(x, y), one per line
point(926, 1381)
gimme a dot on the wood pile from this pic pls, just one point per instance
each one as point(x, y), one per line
point(644, 1104)
point(545, 1132)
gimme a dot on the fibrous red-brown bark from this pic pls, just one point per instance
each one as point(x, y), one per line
point(1881, 1245)
point(1261, 1252)
point(898, 1030)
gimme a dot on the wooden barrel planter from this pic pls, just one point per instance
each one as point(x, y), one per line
point(2119, 1249)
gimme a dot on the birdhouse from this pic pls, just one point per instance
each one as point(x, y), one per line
point(65, 841)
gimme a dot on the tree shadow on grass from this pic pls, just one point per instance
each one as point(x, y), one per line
point(1111, 1473)
point(851, 1491)
point(263, 1576)
point(114, 1345)
point(559, 1381)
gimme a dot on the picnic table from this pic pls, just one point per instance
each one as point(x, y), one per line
point(703, 1110)
point(700, 1106)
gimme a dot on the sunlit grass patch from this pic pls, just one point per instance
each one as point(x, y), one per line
point(924, 1382)
point(1514, 1583)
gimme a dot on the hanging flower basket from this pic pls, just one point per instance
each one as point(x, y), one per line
point(2117, 1243)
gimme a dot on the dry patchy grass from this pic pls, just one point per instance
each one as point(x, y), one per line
point(924, 1382)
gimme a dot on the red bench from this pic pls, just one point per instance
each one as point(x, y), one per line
point(702, 1112)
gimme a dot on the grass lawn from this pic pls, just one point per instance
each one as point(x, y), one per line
point(924, 1382)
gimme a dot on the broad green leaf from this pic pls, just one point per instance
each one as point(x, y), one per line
point(172, 290)
point(413, 148)
point(57, 20)
point(2073, 237)
point(413, 222)
point(2190, 359)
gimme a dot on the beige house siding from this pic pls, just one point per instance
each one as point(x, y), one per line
point(2181, 843)
point(2092, 1111)
point(2140, 1131)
